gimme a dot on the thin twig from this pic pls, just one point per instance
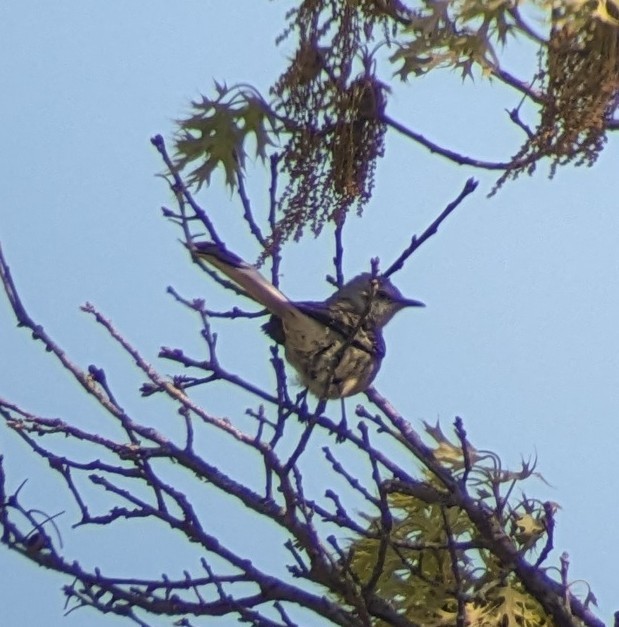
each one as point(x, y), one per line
point(455, 156)
point(158, 142)
point(416, 242)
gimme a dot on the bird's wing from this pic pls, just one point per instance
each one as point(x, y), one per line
point(340, 324)
point(319, 311)
point(274, 327)
point(246, 276)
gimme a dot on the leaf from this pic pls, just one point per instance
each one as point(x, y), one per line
point(529, 529)
point(256, 119)
point(216, 132)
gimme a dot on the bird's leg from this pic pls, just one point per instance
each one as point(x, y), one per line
point(301, 403)
point(342, 428)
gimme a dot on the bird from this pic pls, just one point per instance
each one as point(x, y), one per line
point(336, 345)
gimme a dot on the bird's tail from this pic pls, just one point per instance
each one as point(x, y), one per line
point(246, 276)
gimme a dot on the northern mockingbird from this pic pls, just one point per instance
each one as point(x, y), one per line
point(335, 345)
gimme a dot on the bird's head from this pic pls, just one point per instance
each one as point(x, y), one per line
point(375, 297)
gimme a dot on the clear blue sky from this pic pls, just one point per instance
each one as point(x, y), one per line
point(519, 337)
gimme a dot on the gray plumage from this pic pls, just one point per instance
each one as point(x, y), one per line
point(335, 345)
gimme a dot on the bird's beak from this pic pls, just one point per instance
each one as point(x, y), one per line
point(409, 302)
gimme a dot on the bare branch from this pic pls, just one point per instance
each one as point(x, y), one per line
point(416, 242)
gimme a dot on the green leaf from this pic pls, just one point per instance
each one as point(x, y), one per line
point(216, 132)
